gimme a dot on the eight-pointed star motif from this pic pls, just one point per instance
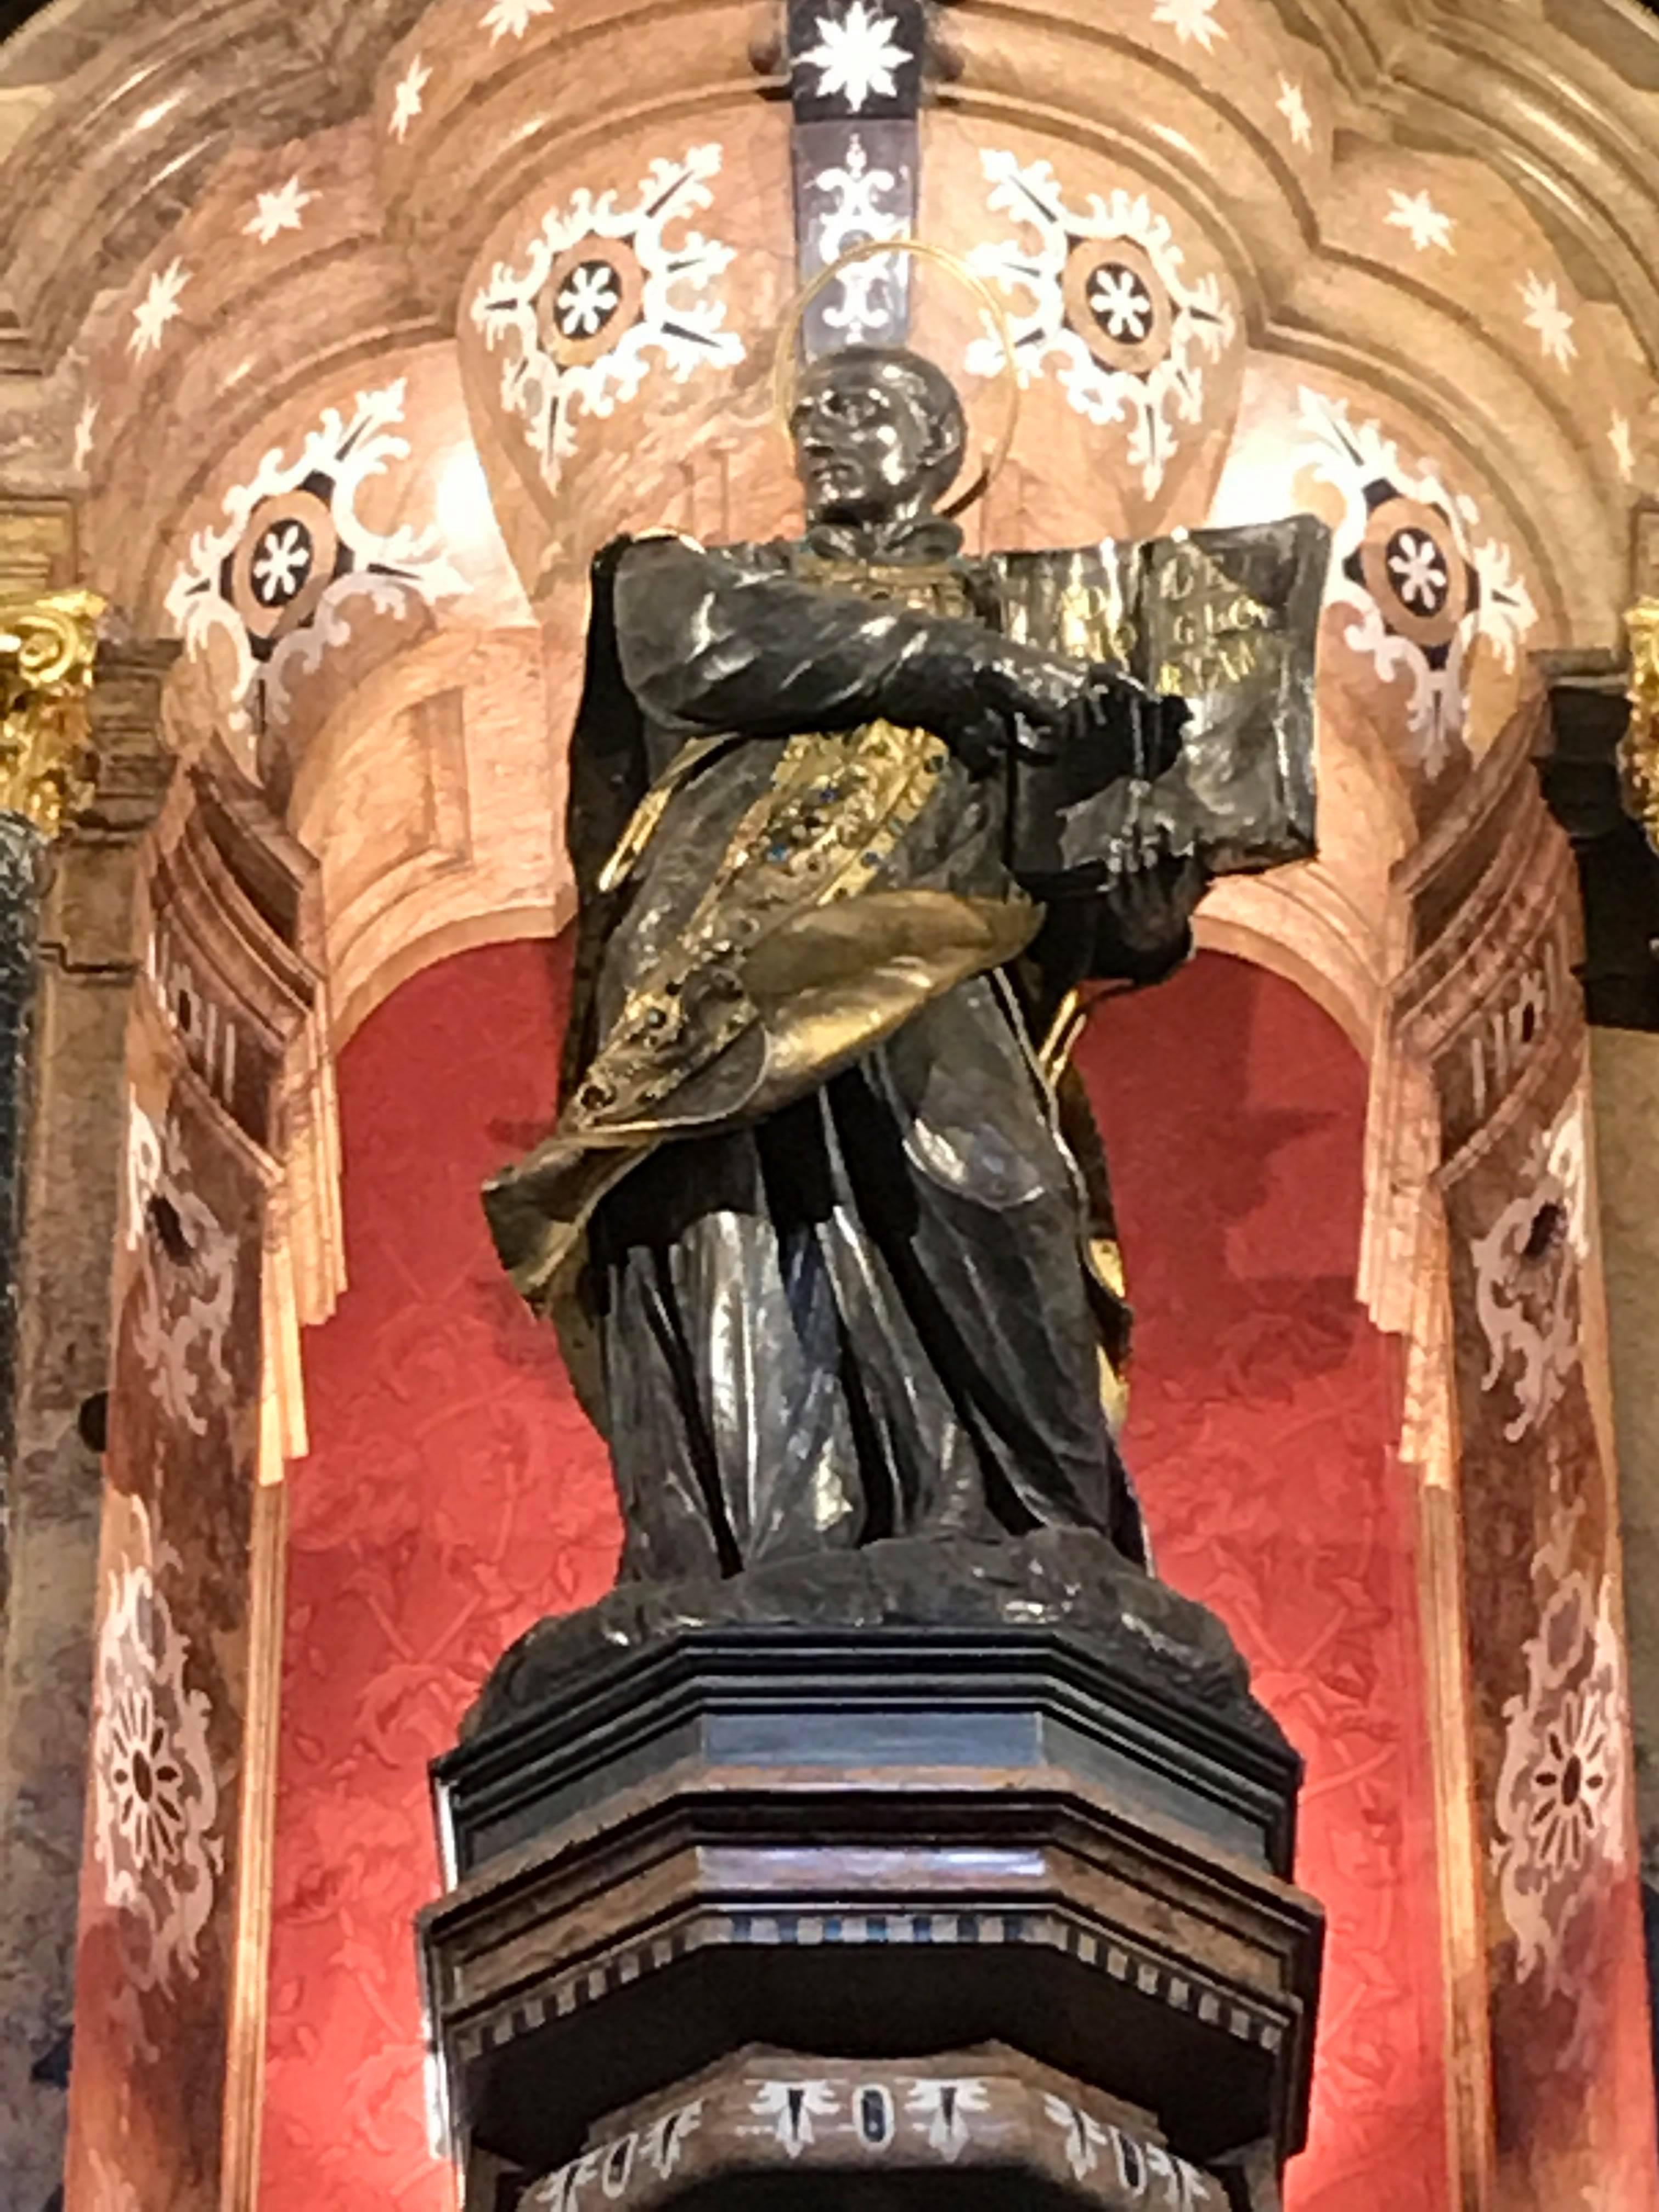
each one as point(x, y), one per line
point(1416, 212)
point(1419, 574)
point(278, 211)
point(1294, 109)
point(512, 18)
point(1190, 19)
point(1552, 321)
point(857, 56)
point(1119, 298)
point(157, 308)
point(406, 96)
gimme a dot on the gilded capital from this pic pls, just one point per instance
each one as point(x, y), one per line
point(48, 646)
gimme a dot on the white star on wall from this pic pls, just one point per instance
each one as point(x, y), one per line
point(1190, 19)
point(1415, 212)
point(512, 18)
point(406, 96)
point(1294, 109)
point(857, 56)
point(1552, 321)
point(278, 211)
point(1624, 449)
point(157, 308)
point(89, 416)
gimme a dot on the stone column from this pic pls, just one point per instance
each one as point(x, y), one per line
point(1600, 777)
point(82, 776)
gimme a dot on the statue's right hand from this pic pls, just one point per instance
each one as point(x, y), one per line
point(979, 738)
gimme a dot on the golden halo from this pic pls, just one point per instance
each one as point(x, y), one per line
point(785, 375)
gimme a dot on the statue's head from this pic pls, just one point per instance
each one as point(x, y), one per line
point(879, 434)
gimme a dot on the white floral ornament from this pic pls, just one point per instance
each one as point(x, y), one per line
point(1108, 303)
point(155, 1798)
point(279, 581)
point(1526, 1269)
point(1553, 322)
point(158, 308)
point(942, 2110)
point(858, 58)
point(1293, 107)
point(406, 97)
point(1416, 214)
point(601, 290)
point(1406, 559)
point(792, 2106)
point(512, 18)
point(1190, 19)
point(848, 210)
point(278, 211)
point(1561, 1806)
point(186, 1265)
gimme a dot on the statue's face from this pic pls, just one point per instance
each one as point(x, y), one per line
point(868, 446)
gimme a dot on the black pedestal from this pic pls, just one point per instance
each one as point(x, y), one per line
point(1051, 1846)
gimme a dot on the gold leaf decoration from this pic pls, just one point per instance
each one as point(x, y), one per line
point(48, 646)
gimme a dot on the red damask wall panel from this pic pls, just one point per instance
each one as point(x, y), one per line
point(455, 1492)
point(1261, 1412)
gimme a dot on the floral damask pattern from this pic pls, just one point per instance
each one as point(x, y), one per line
point(1260, 1423)
point(155, 1798)
point(602, 290)
point(1527, 1270)
point(1409, 560)
point(454, 1492)
point(1104, 295)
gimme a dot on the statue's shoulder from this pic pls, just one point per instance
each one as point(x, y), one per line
point(751, 556)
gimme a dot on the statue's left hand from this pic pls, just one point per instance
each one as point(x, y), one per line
point(1152, 902)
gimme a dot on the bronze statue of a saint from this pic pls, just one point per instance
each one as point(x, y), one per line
point(827, 1238)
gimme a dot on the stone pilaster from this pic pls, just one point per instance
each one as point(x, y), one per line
point(69, 935)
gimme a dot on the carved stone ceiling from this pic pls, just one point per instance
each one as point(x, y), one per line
point(355, 325)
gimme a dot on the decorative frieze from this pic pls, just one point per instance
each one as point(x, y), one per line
point(988, 2108)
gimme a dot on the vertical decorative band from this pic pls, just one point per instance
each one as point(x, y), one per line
point(855, 72)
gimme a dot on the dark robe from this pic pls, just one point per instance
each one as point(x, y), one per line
point(829, 1251)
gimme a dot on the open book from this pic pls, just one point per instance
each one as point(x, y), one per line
point(1228, 620)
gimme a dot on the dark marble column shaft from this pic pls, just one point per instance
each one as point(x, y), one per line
point(21, 855)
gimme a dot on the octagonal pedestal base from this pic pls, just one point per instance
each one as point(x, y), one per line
point(1026, 1902)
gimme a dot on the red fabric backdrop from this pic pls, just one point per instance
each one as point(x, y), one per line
point(454, 1493)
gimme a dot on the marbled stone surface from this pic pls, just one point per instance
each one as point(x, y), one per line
point(74, 1140)
point(21, 862)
